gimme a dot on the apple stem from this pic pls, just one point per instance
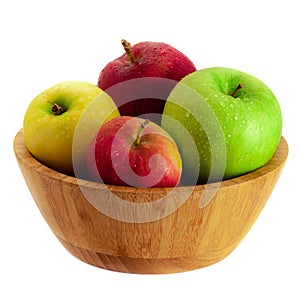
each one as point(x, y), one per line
point(234, 94)
point(128, 50)
point(57, 109)
point(140, 133)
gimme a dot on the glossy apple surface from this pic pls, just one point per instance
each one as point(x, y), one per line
point(152, 60)
point(234, 118)
point(136, 152)
point(51, 119)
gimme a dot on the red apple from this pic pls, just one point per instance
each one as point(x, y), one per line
point(160, 65)
point(134, 152)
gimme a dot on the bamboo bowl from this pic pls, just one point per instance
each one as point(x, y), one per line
point(189, 237)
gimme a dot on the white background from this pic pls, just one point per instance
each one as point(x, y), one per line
point(45, 42)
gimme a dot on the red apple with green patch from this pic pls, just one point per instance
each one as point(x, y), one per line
point(134, 152)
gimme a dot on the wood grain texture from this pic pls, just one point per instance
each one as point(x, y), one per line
point(188, 238)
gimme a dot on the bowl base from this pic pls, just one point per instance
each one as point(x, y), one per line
point(138, 265)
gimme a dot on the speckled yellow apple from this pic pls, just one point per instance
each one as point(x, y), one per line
point(52, 117)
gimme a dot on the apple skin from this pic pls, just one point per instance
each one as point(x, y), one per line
point(49, 136)
point(115, 157)
point(228, 110)
point(151, 60)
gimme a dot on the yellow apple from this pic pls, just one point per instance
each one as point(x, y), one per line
point(51, 119)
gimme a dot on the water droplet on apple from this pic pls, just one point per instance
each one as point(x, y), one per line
point(169, 65)
point(229, 135)
point(187, 114)
point(236, 118)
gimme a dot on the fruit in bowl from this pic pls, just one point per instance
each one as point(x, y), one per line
point(219, 118)
point(136, 152)
point(141, 79)
point(234, 120)
point(52, 116)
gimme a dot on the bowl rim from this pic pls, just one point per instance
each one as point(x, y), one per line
point(26, 157)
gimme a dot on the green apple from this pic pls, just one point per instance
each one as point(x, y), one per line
point(234, 119)
point(51, 119)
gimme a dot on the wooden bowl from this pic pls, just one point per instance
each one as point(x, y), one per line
point(186, 234)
